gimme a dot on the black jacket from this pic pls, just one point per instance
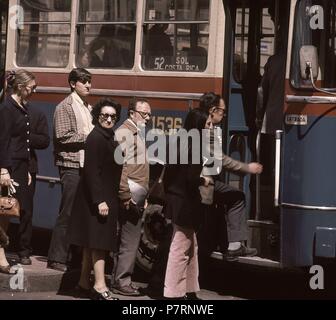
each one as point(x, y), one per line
point(14, 133)
point(99, 183)
point(39, 135)
point(183, 200)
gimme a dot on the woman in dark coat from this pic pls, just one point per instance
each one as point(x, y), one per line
point(15, 147)
point(184, 207)
point(93, 222)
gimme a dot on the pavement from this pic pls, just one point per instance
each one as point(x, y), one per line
point(37, 282)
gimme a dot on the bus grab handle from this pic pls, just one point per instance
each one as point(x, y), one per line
point(278, 137)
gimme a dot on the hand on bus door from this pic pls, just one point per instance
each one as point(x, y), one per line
point(255, 168)
point(103, 209)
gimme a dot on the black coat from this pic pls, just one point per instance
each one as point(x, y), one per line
point(39, 135)
point(99, 183)
point(14, 133)
point(183, 200)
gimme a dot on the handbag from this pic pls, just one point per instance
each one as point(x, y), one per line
point(9, 206)
point(156, 194)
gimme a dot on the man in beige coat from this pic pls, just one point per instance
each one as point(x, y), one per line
point(133, 192)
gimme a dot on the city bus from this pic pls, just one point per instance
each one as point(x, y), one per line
point(171, 52)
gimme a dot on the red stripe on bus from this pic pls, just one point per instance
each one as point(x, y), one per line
point(140, 83)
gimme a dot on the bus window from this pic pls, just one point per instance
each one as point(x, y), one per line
point(45, 38)
point(241, 39)
point(106, 34)
point(324, 39)
point(176, 35)
point(267, 38)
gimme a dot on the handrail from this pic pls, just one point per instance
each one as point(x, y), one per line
point(258, 209)
point(48, 179)
point(278, 136)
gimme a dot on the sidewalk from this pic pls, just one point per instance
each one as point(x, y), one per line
point(37, 282)
point(36, 277)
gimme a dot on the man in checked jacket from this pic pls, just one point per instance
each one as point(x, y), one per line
point(72, 125)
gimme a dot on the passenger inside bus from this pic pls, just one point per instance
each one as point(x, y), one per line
point(104, 50)
point(158, 44)
point(197, 55)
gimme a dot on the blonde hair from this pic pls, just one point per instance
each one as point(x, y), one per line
point(16, 77)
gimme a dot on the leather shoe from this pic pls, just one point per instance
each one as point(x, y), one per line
point(126, 291)
point(26, 261)
point(243, 251)
point(57, 266)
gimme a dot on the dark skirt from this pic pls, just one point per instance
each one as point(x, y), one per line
point(87, 228)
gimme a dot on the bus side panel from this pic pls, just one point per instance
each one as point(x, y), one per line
point(308, 180)
point(300, 231)
point(309, 163)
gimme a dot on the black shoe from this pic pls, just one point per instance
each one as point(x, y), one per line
point(106, 295)
point(57, 266)
point(192, 296)
point(26, 261)
point(243, 251)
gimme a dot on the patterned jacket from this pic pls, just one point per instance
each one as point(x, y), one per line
point(67, 141)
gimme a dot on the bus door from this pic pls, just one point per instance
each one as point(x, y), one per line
point(253, 37)
point(3, 34)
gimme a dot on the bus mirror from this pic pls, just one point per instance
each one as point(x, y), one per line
point(308, 59)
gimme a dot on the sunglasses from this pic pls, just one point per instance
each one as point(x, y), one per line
point(144, 114)
point(105, 116)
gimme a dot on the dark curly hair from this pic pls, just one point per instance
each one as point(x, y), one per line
point(103, 102)
point(196, 119)
point(209, 100)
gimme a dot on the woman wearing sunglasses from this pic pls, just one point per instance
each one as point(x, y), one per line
point(93, 222)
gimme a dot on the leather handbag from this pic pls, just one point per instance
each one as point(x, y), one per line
point(156, 194)
point(9, 206)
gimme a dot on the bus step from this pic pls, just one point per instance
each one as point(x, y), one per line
point(256, 261)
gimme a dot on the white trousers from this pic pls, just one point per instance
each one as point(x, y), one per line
point(182, 267)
